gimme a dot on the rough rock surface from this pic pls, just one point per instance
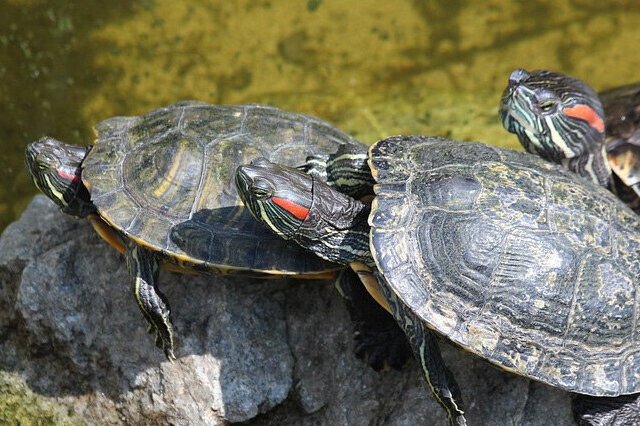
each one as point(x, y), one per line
point(276, 352)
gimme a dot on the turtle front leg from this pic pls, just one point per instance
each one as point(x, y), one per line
point(143, 276)
point(619, 410)
point(427, 351)
point(378, 339)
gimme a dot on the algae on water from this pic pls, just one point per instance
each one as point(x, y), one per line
point(373, 68)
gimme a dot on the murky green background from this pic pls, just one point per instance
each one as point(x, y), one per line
point(374, 68)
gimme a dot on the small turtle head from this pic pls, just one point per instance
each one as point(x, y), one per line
point(555, 116)
point(55, 168)
point(559, 118)
point(278, 196)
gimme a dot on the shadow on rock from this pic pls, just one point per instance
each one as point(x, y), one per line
point(266, 352)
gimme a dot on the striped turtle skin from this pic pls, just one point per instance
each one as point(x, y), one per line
point(513, 259)
point(563, 120)
point(160, 189)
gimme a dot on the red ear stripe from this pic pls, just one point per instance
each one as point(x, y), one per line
point(586, 113)
point(293, 208)
point(66, 175)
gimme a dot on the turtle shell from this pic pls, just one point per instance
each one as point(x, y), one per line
point(165, 180)
point(512, 258)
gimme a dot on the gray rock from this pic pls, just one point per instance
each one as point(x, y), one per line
point(266, 352)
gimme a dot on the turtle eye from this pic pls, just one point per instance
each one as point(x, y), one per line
point(546, 100)
point(547, 105)
point(261, 189)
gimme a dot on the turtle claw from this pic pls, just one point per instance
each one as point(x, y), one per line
point(165, 345)
point(169, 354)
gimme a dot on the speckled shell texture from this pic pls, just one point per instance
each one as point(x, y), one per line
point(166, 180)
point(512, 258)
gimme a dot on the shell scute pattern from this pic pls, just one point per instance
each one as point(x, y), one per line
point(268, 128)
point(444, 154)
point(533, 274)
point(151, 126)
point(207, 123)
point(447, 191)
point(114, 127)
point(159, 173)
point(165, 179)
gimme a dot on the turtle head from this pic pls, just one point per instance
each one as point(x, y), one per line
point(278, 196)
point(559, 118)
point(55, 168)
point(297, 206)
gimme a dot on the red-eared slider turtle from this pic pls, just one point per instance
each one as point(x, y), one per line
point(159, 188)
point(553, 113)
point(563, 120)
point(507, 255)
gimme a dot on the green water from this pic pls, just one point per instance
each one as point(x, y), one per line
point(374, 68)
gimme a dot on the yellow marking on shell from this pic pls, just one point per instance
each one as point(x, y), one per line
point(511, 370)
point(525, 364)
point(169, 178)
point(370, 283)
point(482, 338)
point(567, 380)
point(600, 376)
point(444, 317)
point(54, 191)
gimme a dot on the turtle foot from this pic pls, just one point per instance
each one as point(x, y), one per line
point(379, 341)
point(382, 346)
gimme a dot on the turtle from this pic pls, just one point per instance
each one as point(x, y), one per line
point(550, 111)
point(159, 188)
point(565, 121)
point(506, 255)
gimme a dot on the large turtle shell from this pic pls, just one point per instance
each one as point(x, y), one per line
point(165, 180)
point(512, 258)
